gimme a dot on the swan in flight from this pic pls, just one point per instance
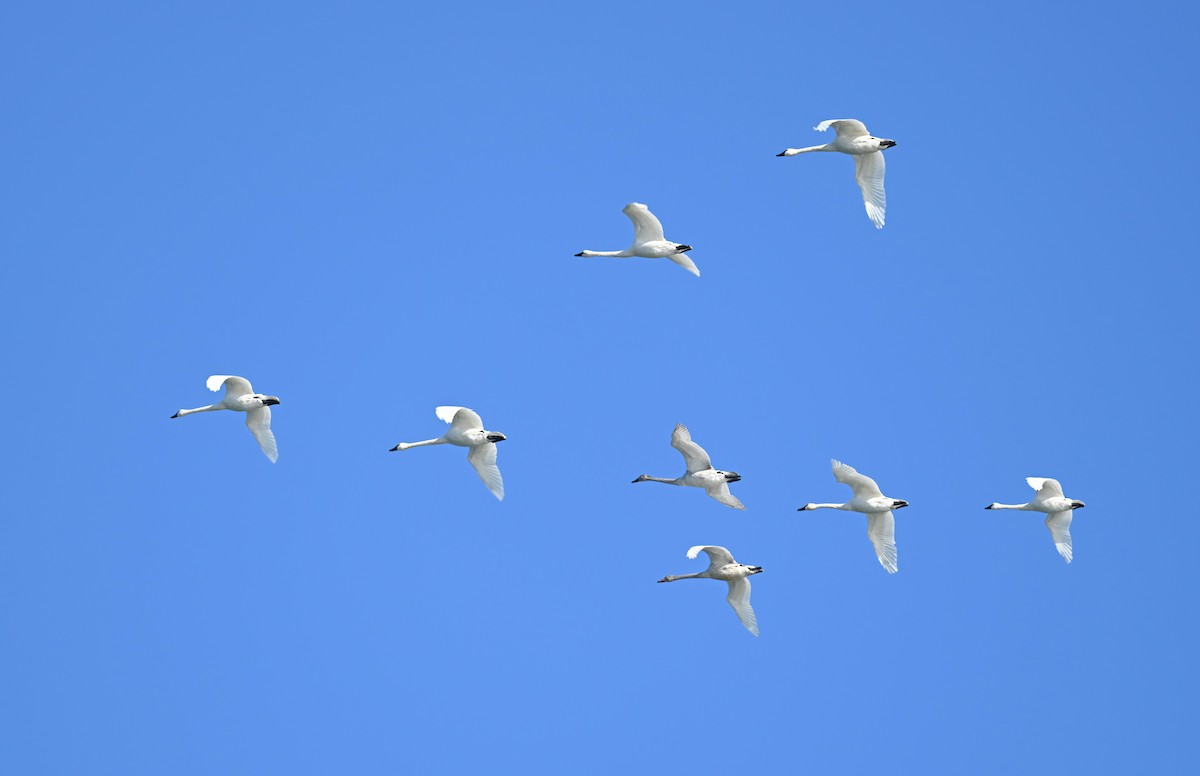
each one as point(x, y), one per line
point(700, 472)
point(1050, 499)
point(466, 430)
point(867, 150)
point(648, 241)
point(240, 397)
point(722, 566)
point(881, 525)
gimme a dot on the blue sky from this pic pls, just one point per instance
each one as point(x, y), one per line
point(371, 210)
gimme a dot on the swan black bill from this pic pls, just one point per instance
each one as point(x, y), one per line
point(175, 415)
point(579, 254)
point(899, 504)
point(269, 402)
point(782, 153)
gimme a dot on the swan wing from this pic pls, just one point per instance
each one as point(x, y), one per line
point(847, 128)
point(861, 484)
point(1045, 487)
point(258, 420)
point(693, 454)
point(739, 599)
point(1059, 524)
point(483, 458)
point(685, 261)
point(868, 171)
point(720, 491)
point(645, 226)
point(881, 530)
point(717, 556)
point(234, 385)
point(460, 417)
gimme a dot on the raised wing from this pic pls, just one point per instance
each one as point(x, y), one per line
point(483, 458)
point(739, 599)
point(717, 556)
point(685, 261)
point(460, 417)
point(258, 420)
point(847, 128)
point(1045, 487)
point(693, 454)
point(868, 171)
point(720, 491)
point(861, 484)
point(881, 530)
point(1059, 524)
point(234, 385)
point(645, 226)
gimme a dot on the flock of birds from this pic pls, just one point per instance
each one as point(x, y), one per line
point(467, 430)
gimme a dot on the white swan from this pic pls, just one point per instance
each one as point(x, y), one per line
point(648, 241)
point(1050, 499)
point(881, 525)
point(700, 472)
point(240, 397)
point(722, 566)
point(867, 150)
point(466, 430)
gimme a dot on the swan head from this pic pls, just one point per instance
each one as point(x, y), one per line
point(806, 506)
point(643, 478)
point(401, 446)
point(1076, 504)
point(494, 436)
point(992, 505)
point(885, 143)
point(899, 503)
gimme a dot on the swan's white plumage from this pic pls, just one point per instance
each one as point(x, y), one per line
point(739, 599)
point(868, 172)
point(459, 417)
point(847, 128)
point(694, 456)
point(646, 226)
point(685, 261)
point(258, 420)
point(862, 485)
point(717, 556)
point(483, 458)
point(1046, 487)
point(881, 530)
point(234, 385)
point(1059, 524)
point(721, 493)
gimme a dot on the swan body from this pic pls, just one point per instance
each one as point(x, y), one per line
point(466, 430)
point(1058, 508)
point(648, 241)
point(240, 397)
point(868, 499)
point(722, 566)
point(867, 150)
point(700, 472)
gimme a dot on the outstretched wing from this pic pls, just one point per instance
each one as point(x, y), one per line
point(234, 385)
point(861, 484)
point(1059, 524)
point(258, 420)
point(1045, 487)
point(645, 226)
point(685, 261)
point(881, 530)
point(847, 128)
point(717, 556)
point(460, 418)
point(483, 458)
point(693, 454)
point(739, 599)
point(720, 491)
point(868, 171)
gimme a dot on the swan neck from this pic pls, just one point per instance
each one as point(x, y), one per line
point(796, 151)
point(209, 408)
point(826, 506)
point(1024, 507)
point(591, 254)
point(438, 441)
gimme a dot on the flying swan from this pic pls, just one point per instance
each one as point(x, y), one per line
point(722, 566)
point(700, 472)
point(466, 430)
point(240, 397)
point(648, 241)
point(867, 150)
point(881, 525)
point(1050, 499)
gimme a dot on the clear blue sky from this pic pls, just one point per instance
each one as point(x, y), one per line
point(371, 209)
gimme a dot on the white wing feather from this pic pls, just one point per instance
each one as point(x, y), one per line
point(847, 128)
point(720, 492)
point(483, 458)
point(258, 420)
point(881, 530)
point(460, 417)
point(1045, 487)
point(234, 385)
point(868, 171)
point(718, 556)
point(685, 261)
point(739, 599)
point(861, 484)
point(645, 226)
point(1059, 524)
point(694, 456)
